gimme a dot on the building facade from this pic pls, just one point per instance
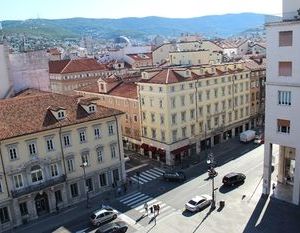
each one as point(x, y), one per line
point(186, 110)
point(47, 143)
point(282, 92)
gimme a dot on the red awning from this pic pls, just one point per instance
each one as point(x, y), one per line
point(153, 149)
point(145, 146)
point(161, 151)
point(181, 149)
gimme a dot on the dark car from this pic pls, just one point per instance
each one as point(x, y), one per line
point(234, 178)
point(113, 227)
point(174, 176)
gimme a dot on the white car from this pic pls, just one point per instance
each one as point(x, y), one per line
point(198, 203)
point(105, 214)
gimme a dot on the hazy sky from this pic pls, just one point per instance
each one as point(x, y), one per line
point(53, 9)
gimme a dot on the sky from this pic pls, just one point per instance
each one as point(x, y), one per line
point(56, 9)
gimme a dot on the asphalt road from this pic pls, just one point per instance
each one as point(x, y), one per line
point(172, 196)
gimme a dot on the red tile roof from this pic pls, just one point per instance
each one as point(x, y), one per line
point(30, 114)
point(73, 66)
point(140, 56)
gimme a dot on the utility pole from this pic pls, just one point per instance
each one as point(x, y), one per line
point(211, 163)
point(83, 166)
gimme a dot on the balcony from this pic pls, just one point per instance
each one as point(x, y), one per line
point(38, 187)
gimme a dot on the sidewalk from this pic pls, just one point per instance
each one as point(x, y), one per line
point(53, 221)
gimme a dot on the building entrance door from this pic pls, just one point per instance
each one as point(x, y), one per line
point(41, 204)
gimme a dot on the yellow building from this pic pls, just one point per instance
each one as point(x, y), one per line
point(47, 143)
point(184, 110)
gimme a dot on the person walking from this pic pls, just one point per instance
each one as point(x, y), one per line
point(157, 208)
point(146, 208)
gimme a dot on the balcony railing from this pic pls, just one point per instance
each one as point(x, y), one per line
point(38, 187)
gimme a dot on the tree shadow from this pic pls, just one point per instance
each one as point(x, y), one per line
point(205, 217)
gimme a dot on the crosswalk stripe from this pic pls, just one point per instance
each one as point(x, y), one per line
point(129, 196)
point(145, 177)
point(131, 199)
point(142, 203)
point(149, 203)
point(137, 200)
point(136, 180)
point(164, 209)
point(152, 175)
point(155, 172)
point(158, 169)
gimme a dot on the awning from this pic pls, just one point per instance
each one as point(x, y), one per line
point(153, 149)
point(161, 152)
point(181, 149)
point(284, 123)
point(145, 146)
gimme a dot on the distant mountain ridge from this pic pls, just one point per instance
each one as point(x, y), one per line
point(210, 26)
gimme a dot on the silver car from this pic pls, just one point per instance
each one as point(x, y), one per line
point(104, 215)
point(198, 203)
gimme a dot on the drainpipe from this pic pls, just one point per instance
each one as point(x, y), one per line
point(4, 172)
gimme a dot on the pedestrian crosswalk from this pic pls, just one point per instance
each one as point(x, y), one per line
point(147, 175)
point(137, 200)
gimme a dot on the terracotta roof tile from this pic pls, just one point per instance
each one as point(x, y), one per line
point(27, 115)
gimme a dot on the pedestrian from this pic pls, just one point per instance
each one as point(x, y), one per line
point(119, 191)
point(155, 209)
point(158, 208)
point(273, 186)
point(146, 208)
point(151, 209)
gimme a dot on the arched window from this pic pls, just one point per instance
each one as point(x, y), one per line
point(36, 174)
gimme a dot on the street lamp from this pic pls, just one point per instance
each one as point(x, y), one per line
point(211, 164)
point(83, 166)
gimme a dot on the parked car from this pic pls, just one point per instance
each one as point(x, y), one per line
point(198, 203)
point(174, 176)
point(259, 139)
point(233, 178)
point(103, 215)
point(113, 227)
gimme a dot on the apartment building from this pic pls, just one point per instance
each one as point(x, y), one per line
point(282, 92)
point(67, 75)
point(47, 143)
point(139, 60)
point(257, 67)
point(161, 54)
point(120, 93)
point(186, 110)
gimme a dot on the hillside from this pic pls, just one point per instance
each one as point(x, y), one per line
point(211, 26)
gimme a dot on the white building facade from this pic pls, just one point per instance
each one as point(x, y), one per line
point(282, 126)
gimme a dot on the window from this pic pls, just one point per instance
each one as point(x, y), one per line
point(54, 170)
point(229, 103)
point(160, 89)
point(143, 101)
point(173, 104)
point(151, 102)
point(285, 68)
point(229, 117)
point(193, 129)
point(58, 197)
point(160, 103)
point(235, 88)
point(242, 99)
point(174, 135)
point(74, 190)
point(183, 130)
point(247, 98)
point(223, 105)
point(50, 146)
point(223, 119)
point(89, 184)
point(182, 100)
point(61, 114)
point(229, 90)
point(153, 131)
point(223, 91)
point(23, 208)
point(200, 126)
point(116, 176)
point(67, 140)
point(135, 118)
point(97, 133)
point(150, 88)
point(4, 216)
point(207, 94)
point(236, 101)
point(182, 86)
point(144, 115)
point(284, 97)
point(285, 38)
point(163, 136)
point(192, 98)
point(113, 151)
point(216, 121)
point(162, 119)
point(216, 107)
point(183, 116)
point(145, 131)
point(283, 126)
point(208, 109)
point(247, 111)
point(85, 157)
point(110, 129)
point(208, 124)
point(82, 137)
point(92, 108)
point(32, 149)
point(242, 112)
point(190, 84)
point(216, 93)
point(18, 180)
point(235, 115)
point(192, 114)
point(172, 89)
point(70, 163)
point(241, 86)
point(36, 174)
point(99, 151)
point(102, 178)
point(152, 117)
point(174, 118)
point(1, 189)
point(13, 152)
point(201, 111)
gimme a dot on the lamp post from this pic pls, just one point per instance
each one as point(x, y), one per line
point(211, 164)
point(83, 166)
